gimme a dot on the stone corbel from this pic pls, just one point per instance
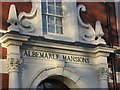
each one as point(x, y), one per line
point(87, 33)
point(24, 23)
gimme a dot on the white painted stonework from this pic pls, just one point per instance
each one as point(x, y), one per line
point(29, 71)
point(87, 32)
point(31, 24)
point(76, 66)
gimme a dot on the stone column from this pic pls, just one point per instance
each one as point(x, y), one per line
point(13, 43)
point(13, 68)
point(103, 77)
point(14, 62)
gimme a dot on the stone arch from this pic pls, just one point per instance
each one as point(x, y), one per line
point(45, 73)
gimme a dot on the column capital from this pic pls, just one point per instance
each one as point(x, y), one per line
point(14, 64)
point(103, 73)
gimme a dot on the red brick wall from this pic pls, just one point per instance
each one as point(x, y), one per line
point(111, 87)
point(5, 81)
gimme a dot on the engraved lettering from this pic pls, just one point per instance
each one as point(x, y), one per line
point(57, 56)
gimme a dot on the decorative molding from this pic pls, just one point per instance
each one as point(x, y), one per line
point(87, 32)
point(27, 23)
point(83, 9)
point(103, 73)
point(8, 39)
point(37, 44)
point(53, 71)
point(14, 64)
point(12, 42)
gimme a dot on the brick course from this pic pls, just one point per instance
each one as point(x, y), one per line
point(5, 80)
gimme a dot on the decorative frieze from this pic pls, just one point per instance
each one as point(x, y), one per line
point(14, 64)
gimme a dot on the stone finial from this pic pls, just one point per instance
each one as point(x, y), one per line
point(99, 32)
point(12, 18)
point(98, 29)
point(22, 22)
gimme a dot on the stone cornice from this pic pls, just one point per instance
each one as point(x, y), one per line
point(11, 42)
point(12, 39)
point(8, 36)
point(98, 50)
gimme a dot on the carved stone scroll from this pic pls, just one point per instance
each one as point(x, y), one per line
point(25, 23)
point(87, 33)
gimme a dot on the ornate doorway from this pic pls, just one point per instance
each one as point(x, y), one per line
point(51, 83)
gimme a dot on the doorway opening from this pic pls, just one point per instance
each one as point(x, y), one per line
point(51, 83)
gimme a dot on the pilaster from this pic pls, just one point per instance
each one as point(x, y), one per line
point(13, 69)
point(103, 73)
point(103, 77)
point(13, 42)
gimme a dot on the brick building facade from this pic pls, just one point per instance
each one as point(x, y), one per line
point(30, 42)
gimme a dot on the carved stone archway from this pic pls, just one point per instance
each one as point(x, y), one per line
point(69, 76)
